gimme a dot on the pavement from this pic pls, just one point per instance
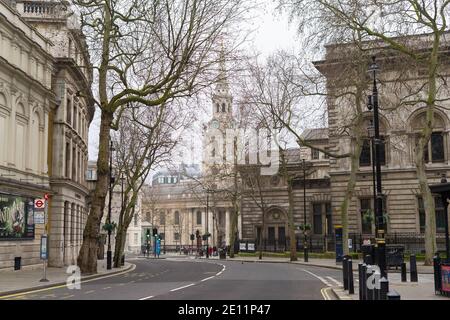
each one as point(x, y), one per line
point(29, 278)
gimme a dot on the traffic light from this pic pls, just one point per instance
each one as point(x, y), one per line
point(155, 231)
point(148, 233)
point(192, 237)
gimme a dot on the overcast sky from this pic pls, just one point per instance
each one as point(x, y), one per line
point(272, 32)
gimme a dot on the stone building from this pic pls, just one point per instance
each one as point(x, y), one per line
point(46, 104)
point(326, 184)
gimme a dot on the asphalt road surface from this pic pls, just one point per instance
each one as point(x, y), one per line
point(201, 279)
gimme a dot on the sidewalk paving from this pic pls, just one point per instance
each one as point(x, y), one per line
point(29, 277)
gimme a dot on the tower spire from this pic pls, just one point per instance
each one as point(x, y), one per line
point(222, 86)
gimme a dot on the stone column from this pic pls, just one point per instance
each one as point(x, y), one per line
point(56, 234)
point(227, 226)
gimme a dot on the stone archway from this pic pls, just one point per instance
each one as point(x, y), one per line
point(275, 229)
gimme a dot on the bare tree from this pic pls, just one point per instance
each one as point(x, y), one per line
point(414, 29)
point(146, 137)
point(146, 52)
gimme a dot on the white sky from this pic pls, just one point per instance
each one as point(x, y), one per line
point(272, 32)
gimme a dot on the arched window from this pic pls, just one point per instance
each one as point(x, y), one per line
point(218, 108)
point(223, 107)
point(368, 147)
point(21, 126)
point(435, 150)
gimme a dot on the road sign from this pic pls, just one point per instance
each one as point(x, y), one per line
point(44, 247)
point(39, 204)
point(39, 218)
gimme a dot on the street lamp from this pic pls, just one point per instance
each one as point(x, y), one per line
point(379, 220)
point(371, 133)
point(111, 182)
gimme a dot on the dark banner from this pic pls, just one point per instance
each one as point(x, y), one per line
point(16, 217)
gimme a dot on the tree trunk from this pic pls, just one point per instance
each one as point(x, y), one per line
point(233, 229)
point(349, 192)
point(87, 257)
point(428, 200)
point(120, 245)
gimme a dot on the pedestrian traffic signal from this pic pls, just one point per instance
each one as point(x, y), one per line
point(148, 233)
point(155, 231)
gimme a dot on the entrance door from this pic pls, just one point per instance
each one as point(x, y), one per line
point(281, 235)
point(271, 235)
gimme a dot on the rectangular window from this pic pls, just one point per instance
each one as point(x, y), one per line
point(135, 238)
point(162, 218)
point(329, 218)
point(365, 159)
point(135, 220)
point(440, 214)
point(437, 147)
point(176, 236)
point(317, 218)
point(199, 217)
point(68, 111)
point(314, 154)
point(177, 218)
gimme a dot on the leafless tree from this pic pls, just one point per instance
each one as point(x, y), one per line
point(146, 52)
point(414, 29)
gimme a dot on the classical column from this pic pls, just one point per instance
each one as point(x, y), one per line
point(227, 226)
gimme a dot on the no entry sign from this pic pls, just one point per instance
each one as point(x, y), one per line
point(39, 204)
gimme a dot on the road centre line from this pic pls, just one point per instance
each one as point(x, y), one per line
point(189, 285)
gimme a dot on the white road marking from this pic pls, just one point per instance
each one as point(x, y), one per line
point(318, 277)
point(207, 278)
point(189, 285)
point(146, 298)
point(106, 288)
point(335, 281)
point(90, 291)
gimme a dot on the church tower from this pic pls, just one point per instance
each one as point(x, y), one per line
point(222, 119)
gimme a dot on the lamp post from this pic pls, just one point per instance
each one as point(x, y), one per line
point(371, 133)
point(305, 238)
point(111, 182)
point(379, 220)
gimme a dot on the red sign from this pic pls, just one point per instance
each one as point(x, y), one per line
point(39, 203)
point(445, 277)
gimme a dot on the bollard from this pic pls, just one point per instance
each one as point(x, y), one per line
point(404, 272)
point(413, 268)
point(384, 288)
point(437, 273)
point(393, 295)
point(345, 272)
point(351, 286)
point(362, 282)
point(370, 291)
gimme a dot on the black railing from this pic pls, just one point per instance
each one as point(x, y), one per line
point(414, 243)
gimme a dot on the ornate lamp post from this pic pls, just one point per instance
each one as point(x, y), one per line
point(305, 237)
point(380, 226)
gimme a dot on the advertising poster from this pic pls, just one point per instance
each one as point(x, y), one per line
point(445, 274)
point(16, 217)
